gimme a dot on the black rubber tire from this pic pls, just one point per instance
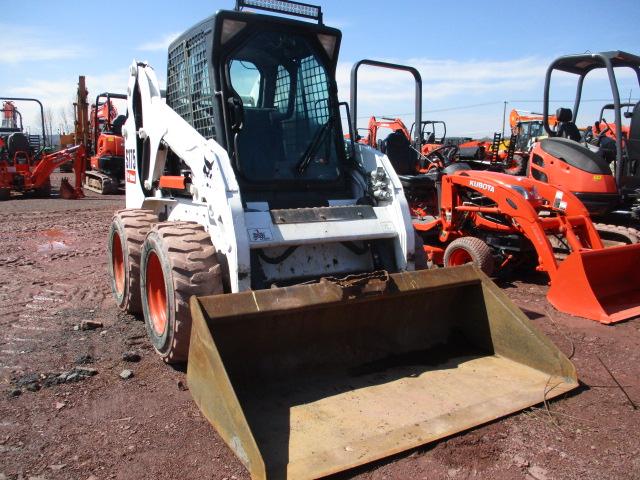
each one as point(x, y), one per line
point(519, 166)
point(614, 235)
point(189, 267)
point(130, 226)
point(5, 193)
point(479, 252)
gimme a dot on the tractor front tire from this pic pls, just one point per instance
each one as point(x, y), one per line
point(470, 250)
point(5, 193)
point(615, 235)
point(178, 260)
point(126, 236)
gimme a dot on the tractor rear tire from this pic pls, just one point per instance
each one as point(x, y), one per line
point(470, 250)
point(178, 261)
point(615, 235)
point(126, 236)
point(5, 193)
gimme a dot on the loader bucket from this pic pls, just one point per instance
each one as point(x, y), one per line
point(602, 285)
point(310, 380)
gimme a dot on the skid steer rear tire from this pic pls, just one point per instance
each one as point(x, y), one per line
point(614, 235)
point(470, 250)
point(178, 261)
point(126, 236)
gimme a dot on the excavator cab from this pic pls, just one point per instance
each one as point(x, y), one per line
point(276, 79)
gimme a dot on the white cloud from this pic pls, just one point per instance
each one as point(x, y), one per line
point(26, 44)
point(447, 84)
point(445, 78)
point(158, 45)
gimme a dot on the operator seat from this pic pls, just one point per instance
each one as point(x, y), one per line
point(566, 127)
point(403, 158)
point(116, 125)
point(17, 142)
point(431, 138)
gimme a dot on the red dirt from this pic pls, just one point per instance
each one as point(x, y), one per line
point(53, 276)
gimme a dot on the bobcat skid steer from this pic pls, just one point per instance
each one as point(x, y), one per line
point(279, 261)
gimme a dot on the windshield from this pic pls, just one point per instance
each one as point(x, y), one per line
point(288, 132)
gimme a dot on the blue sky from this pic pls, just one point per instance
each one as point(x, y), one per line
point(468, 52)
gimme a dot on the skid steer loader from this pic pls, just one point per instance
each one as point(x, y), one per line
point(280, 262)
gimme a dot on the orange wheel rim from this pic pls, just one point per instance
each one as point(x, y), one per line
point(459, 257)
point(156, 294)
point(117, 261)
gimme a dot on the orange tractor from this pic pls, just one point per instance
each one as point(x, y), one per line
point(432, 133)
point(22, 168)
point(495, 220)
point(581, 162)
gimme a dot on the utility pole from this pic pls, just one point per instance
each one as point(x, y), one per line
point(504, 116)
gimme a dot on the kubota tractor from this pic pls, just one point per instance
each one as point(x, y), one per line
point(25, 169)
point(494, 219)
point(280, 262)
point(582, 163)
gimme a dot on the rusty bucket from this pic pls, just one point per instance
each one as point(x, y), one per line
point(306, 381)
point(602, 285)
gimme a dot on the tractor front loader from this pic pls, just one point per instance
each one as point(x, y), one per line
point(279, 261)
point(509, 217)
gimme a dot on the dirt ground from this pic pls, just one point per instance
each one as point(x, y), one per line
point(65, 412)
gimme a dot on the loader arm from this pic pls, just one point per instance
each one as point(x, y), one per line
point(521, 200)
point(212, 184)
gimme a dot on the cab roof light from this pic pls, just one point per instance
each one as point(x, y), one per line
point(297, 9)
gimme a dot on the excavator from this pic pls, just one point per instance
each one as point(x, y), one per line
point(106, 152)
point(279, 261)
point(27, 170)
point(492, 219)
point(507, 155)
point(527, 127)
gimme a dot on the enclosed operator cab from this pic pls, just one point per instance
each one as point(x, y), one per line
point(265, 90)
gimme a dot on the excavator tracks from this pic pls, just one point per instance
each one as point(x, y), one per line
point(100, 183)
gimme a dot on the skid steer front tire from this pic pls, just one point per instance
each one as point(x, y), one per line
point(178, 261)
point(128, 230)
point(470, 250)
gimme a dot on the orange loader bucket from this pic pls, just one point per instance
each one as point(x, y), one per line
point(602, 285)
